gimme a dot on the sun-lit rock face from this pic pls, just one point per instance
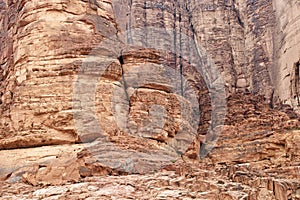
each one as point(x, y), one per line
point(287, 55)
point(77, 71)
point(46, 46)
point(120, 87)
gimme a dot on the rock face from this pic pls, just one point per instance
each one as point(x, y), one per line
point(117, 87)
point(287, 52)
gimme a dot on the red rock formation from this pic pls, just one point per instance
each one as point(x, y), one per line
point(91, 88)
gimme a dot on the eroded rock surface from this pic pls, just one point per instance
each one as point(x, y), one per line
point(118, 99)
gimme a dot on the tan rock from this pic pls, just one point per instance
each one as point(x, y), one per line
point(136, 89)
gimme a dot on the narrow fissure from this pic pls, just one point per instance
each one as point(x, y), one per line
point(271, 104)
point(193, 42)
point(125, 86)
point(189, 15)
point(238, 15)
point(121, 60)
point(128, 24)
point(297, 79)
point(175, 38)
point(181, 55)
point(179, 45)
point(232, 67)
point(232, 60)
point(145, 24)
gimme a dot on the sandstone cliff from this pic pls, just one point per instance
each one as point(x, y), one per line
point(117, 87)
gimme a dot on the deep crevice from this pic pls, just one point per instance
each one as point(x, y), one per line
point(180, 50)
point(145, 24)
point(125, 86)
point(175, 37)
point(296, 81)
point(180, 44)
point(121, 60)
point(271, 104)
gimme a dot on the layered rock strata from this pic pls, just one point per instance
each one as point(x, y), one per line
point(93, 88)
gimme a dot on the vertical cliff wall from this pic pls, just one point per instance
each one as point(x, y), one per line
point(46, 45)
point(128, 86)
point(287, 52)
point(43, 45)
point(239, 37)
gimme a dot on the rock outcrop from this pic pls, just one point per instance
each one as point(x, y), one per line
point(125, 87)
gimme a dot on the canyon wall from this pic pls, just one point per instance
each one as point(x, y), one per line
point(252, 43)
point(287, 52)
point(148, 83)
point(239, 37)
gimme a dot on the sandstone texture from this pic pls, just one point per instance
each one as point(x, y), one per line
point(287, 52)
point(132, 99)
